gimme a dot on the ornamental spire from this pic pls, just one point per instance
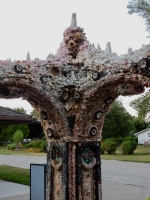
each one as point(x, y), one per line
point(74, 20)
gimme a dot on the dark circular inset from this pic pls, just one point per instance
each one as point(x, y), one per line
point(98, 114)
point(50, 133)
point(44, 115)
point(93, 131)
point(144, 64)
point(64, 97)
point(32, 102)
point(77, 96)
point(109, 100)
point(134, 65)
point(95, 75)
point(18, 68)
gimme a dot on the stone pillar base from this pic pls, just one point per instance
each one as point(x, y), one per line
point(74, 171)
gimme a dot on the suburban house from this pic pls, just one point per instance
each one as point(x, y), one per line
point(9, 116)
point(143, 136)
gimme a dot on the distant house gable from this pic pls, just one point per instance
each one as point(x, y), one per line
point(141, 131)
point(143, 136)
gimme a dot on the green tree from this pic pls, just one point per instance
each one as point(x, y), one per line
point(20, 109)
point(142, 105)
point(142, 8)
point(11, 129)
point(3, 136)
point(140, 124)
point(34, 114)
point(118, 122)
point(18, 136)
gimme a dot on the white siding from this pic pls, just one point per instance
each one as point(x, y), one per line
point(144, 137)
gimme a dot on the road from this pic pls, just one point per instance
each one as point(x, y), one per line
point(125, 180)
point(120, 180)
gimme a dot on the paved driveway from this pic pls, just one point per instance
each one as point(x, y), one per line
point(120, 180)
point(21, 161)
point(125, 180)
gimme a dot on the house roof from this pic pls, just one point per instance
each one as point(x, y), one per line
point(8, 116)
point(141, 131)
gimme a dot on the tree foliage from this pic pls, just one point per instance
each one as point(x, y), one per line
point(140, 124)
point(34, 114)
point(11, 129)
point(18, 136)
point(110, 146)
point(142, 105)
point(20, 109)
point(4, 137)
point(142, 8)
point(128, 147)
point(118, 122)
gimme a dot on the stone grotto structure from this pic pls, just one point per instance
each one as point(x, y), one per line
point(72, 91)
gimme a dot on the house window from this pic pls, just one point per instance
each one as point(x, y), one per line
point(148, 134)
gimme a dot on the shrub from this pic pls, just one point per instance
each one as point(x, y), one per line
point(43, 146)
point(34, 144)
point(8, 146)
point(110, 146)
point(18, 136)
point(118, 140)
point(35, 150)
point(102, 148)
point(128, 147)
point(131, 138)
point(38, 144)
point(12, 146)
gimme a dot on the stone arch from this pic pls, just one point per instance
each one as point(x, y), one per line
point(17, 85)
point(97, 100)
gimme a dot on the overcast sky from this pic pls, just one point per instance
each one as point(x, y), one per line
point(37, 26)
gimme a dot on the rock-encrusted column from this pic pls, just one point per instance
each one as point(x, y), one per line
point(75, 171)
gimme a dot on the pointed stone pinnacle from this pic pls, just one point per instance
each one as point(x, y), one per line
point(73, 20)
point(98, 47)
point(129, 50)
point(108, 49)
point(28, 56)
point(93, 45)
point(50, 56)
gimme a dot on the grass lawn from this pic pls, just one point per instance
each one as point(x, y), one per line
point(141, 154)
point(15, 174)
point(5, 151)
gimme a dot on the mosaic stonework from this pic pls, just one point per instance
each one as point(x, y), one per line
point(72, 92)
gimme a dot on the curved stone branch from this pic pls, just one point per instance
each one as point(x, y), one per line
point(34, 81)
